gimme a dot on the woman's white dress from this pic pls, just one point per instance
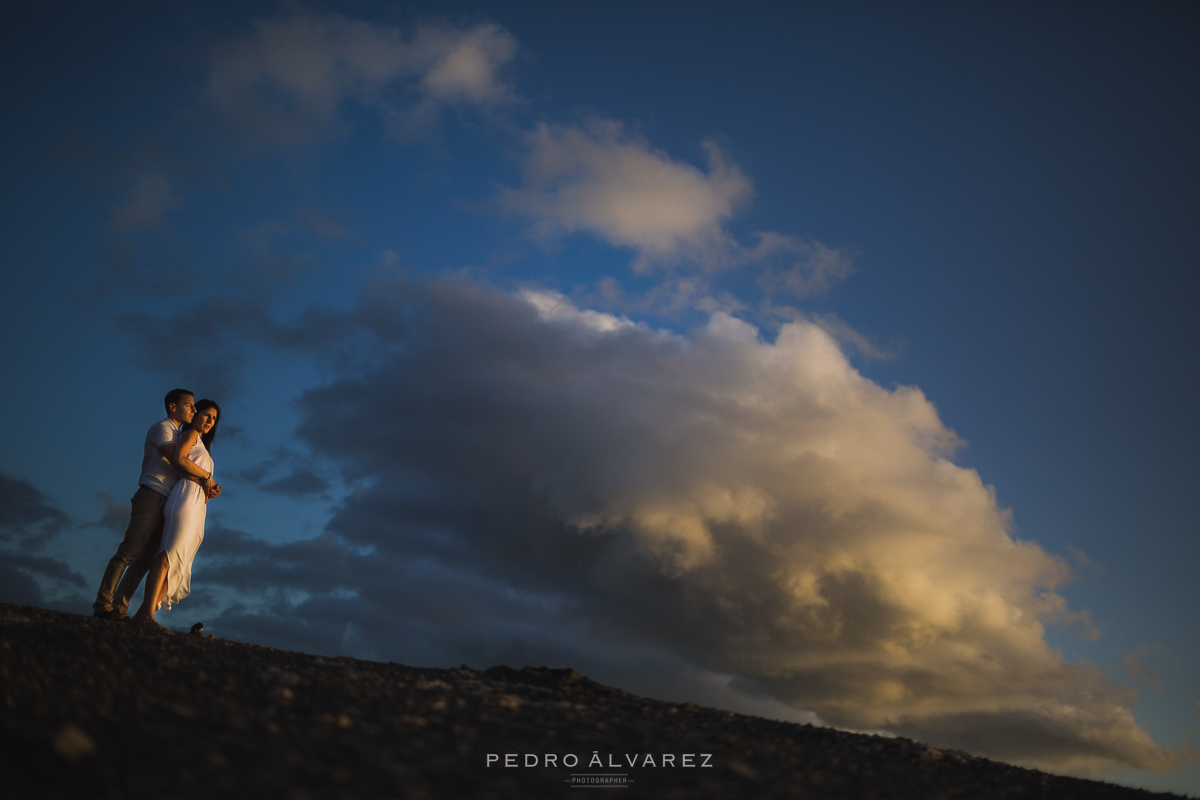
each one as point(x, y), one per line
point(183, 528)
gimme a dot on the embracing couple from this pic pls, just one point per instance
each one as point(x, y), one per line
point(166, 523)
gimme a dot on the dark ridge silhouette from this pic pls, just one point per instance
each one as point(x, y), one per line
point(99, 709)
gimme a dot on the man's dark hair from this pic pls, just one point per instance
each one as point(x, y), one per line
point(172, 398)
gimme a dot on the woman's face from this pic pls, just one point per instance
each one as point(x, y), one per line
point(204, 420)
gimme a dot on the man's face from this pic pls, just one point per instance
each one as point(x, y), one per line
point(183, 411)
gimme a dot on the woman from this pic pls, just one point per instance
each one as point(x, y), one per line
point(170, 577)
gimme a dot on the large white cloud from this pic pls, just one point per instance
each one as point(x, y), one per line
point(752, 508)
point(289, 80)
point(601, 180)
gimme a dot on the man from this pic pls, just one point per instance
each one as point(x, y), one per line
point(162, 467)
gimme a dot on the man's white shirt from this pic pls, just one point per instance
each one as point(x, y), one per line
point(157, 472)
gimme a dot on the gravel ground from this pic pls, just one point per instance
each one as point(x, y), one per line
point(108, 710)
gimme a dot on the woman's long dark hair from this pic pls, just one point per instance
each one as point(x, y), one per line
point(207, 438)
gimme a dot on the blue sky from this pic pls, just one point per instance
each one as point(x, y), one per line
point(820, 361)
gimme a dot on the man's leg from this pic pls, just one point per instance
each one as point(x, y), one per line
point(156, 589)
point(145, 517)
point(135, 572)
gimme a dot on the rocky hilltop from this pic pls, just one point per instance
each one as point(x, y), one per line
point(103, 709)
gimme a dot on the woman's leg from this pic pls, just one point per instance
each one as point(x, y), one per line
point(156, 588)
point(166, 574)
